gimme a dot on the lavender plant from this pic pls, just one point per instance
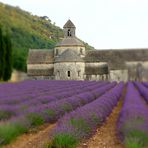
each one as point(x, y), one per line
point(31, 103)
point(84, 120)
point(143, 90)
point(132, 124)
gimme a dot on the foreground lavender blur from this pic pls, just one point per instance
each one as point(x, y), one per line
point(132, 124)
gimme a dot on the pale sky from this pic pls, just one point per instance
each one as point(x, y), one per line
point(104, 24)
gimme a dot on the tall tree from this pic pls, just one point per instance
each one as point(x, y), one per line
point(2, 55)
point(8, 58)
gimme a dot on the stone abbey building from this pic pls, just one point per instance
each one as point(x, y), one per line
point(70, 61)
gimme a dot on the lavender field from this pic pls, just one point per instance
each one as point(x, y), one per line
point(77, 108)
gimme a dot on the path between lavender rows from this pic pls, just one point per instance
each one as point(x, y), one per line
point(105, 136)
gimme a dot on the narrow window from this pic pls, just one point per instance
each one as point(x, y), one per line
point(68, 73)
point(69, 32)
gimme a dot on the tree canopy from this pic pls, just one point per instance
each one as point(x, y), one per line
point(5, 56)
point(28, 31)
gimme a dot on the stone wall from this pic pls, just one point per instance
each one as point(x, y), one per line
point(18, 76)
point(119, 75)
point(96, 77)
point(40, 78)
point(75, 69)
point(137, 70)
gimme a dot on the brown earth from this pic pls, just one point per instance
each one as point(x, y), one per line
point(34, 139)
point(105, 136)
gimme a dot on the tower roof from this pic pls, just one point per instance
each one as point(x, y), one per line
point(69, 56)
point(70, 42)
point(69, 24)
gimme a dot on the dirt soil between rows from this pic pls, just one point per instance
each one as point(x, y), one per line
point(36, 138)
point(105, 136)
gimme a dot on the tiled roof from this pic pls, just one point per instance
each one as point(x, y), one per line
point(70, 41)
point(69, 56)
point(40, 56)
point(116, 58)
point(69, 24)
point(40, 72)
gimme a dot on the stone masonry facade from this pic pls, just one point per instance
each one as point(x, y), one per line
point(69, 60)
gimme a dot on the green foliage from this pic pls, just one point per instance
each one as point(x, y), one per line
point(2, 55)
point(50, 112)
point(35, 118)
point(63, 140)
point(5, 114)
point(133, 143)
point(80, 123)
point(66, 107)
point(8, 58)
point(135, 138)
point(10, 130)
point(5, 56)
point(19, 59)
point(28, 31)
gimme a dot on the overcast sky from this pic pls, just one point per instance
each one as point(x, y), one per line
point(104, 24)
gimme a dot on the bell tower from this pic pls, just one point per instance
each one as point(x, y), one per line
point(69, 29)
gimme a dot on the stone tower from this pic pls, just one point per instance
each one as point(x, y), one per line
point(69, 29)
point(70, 41)
point(68, 55)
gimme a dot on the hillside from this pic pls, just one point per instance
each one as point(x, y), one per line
point(28, 31)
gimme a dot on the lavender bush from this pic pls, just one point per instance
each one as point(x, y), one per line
point(132, 124)
point(53, 111)
point(143, 90)
point(18, 97)
point(84, 120)
point(31, 103)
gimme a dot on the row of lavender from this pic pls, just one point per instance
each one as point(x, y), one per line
point(29, 89)
point(132, 124)
point(27, 98)
point(49, 111)
point(83, 121)
point(142, 87)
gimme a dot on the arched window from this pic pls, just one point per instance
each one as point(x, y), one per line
point(68, 73)
point(69, 32)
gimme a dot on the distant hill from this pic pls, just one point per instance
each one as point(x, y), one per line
point(28, 31)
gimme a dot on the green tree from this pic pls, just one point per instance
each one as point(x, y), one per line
point(2, 55)
point(8, 58)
